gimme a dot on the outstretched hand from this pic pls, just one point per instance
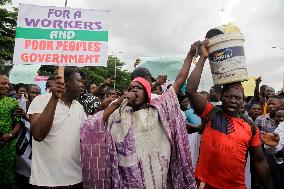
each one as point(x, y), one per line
point(270, 139)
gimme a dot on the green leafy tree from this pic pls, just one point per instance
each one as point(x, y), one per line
point(98, 74)
point(7, 36)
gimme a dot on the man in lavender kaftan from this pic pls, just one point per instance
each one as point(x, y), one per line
point(136, 143)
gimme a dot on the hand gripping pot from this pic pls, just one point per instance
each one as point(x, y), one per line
point(226, 55)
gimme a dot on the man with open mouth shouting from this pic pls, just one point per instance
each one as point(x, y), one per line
point(137, 142)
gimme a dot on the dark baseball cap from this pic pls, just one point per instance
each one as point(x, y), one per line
point(141, 72)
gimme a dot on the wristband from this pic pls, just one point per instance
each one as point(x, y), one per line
point(10, 135)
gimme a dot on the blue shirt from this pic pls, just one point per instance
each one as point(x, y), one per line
point(191, 117)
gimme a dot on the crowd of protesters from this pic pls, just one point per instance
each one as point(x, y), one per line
point(151, 135)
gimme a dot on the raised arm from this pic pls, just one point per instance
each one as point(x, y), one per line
point(111, 108)
point(159, 82)
point(98, 91)
point(183, 73)
point(116, 104)
point(256, 90)
point(197, 101)
point(41, 122)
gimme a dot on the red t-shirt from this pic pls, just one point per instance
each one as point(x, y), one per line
point(223, 149)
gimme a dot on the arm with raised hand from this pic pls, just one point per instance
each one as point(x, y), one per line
point(107, 82)
point(256, 90)
point(159, 81)
point(41, 123)
point(196, 100)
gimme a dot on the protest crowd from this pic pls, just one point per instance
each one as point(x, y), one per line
point(142, 137)
point(152, 134)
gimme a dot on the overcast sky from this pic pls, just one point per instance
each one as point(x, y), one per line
point(168, 27)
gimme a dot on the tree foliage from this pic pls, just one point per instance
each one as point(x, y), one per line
point(3, 2)
point(7, 36)
point(99, 74)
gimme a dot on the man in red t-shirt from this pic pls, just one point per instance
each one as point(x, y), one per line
point(226, 138)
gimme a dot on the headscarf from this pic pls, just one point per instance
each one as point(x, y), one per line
point(145, 84)
point(235, 85)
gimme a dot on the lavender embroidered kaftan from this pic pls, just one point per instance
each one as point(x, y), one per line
point(134, 152)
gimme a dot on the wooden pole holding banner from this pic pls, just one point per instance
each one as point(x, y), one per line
point(60, 70)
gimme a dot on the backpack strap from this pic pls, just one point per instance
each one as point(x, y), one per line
point(208, 118)
point(251, 124)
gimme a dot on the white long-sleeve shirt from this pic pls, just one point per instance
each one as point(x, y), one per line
point(273, 150)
